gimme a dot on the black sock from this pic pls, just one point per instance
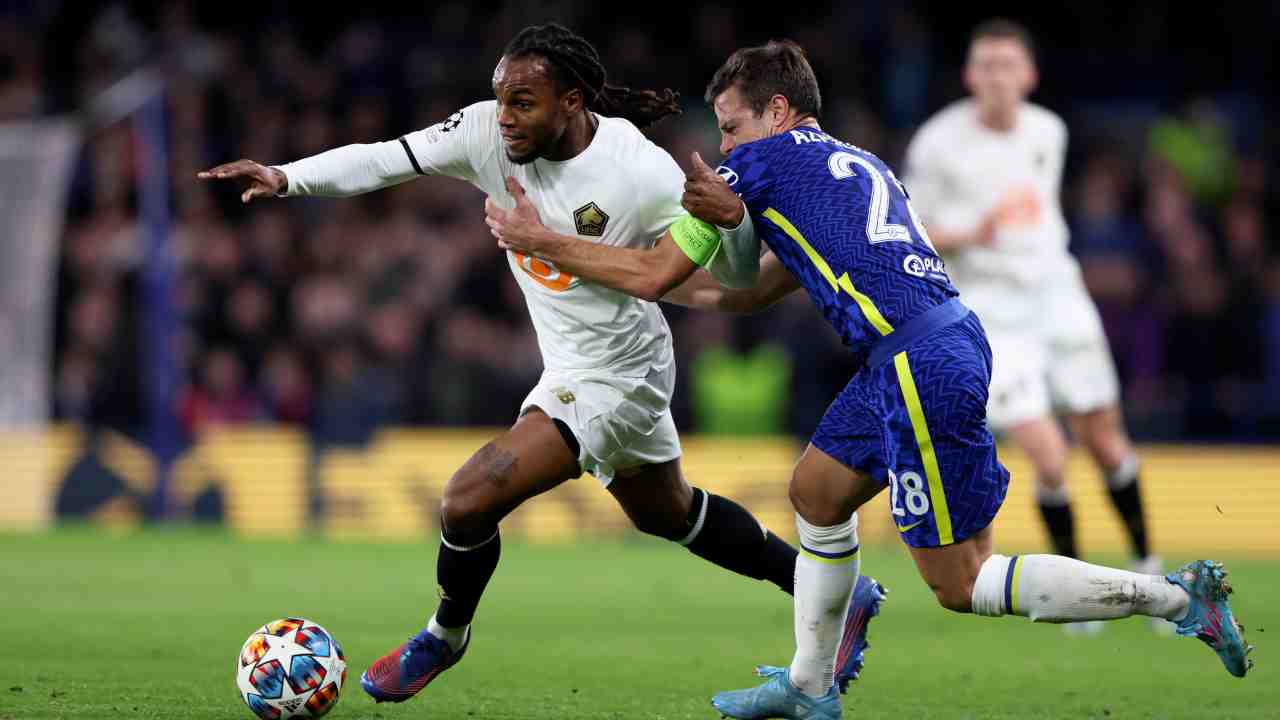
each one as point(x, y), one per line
point(1128, 502)
point(1061, 525)
point(732, 538)
point(463, 570)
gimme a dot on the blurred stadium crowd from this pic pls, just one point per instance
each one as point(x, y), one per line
point(398, 308)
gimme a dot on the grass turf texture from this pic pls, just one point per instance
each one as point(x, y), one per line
point(148, 626)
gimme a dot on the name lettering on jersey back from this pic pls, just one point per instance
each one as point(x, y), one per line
point(802, 136)
point(544, 273)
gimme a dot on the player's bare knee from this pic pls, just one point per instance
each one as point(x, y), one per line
point(1051, 467)
point(465, 510)
point(1108, 445)
point(800, 501)
point(1046, 447)
point(954, 596)
point(1051, 480)
point(1102, 433)
point(820, 509)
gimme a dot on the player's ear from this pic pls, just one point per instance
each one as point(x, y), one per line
point(1033, 78)
point(572, 100)
point(778, 109)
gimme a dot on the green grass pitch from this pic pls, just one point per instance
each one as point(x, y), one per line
point(148, 625)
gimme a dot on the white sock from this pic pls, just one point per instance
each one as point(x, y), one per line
point(1053, 496)
point(1056, 589)
point(455, 637)
point(826, 570)
point(1123, 475)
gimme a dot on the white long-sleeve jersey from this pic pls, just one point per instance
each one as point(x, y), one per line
point(622, 190)
point(958, 170)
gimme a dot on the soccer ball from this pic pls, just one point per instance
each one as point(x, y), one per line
point(290, 668)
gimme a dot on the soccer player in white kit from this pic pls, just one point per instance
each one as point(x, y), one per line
point(985, 174)
point(602, 404)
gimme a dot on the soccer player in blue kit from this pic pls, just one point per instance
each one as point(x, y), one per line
point(838, 223)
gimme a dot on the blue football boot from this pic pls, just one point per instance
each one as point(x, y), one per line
point(1209, 614)
point(777, 698)
point(864, 605)
point(403, 672)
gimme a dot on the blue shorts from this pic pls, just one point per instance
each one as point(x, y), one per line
point(917, 422)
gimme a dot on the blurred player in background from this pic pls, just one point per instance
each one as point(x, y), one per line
point(913, 417)
point(602, 404)
point(986, 174)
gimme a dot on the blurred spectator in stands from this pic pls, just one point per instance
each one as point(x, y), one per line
point(352, 403)
point(220, 397)
point(21, 81)
point(286, 387)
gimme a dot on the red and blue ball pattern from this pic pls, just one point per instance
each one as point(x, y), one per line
point(290, 668)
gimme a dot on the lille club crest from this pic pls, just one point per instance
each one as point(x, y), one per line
point(590, 220)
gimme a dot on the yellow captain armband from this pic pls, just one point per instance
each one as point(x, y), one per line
point(698, 240)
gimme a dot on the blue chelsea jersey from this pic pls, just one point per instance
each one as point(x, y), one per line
point(842, 223)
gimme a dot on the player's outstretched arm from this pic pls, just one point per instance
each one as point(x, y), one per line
point(646, 274)
point(703, 292)
point(340, 172)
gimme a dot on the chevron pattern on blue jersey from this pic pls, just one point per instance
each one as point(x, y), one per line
point(849, 207)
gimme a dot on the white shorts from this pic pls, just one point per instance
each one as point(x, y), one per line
point(620, 422)
point(1061, 362)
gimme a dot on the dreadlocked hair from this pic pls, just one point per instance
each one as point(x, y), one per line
point(575, 63)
